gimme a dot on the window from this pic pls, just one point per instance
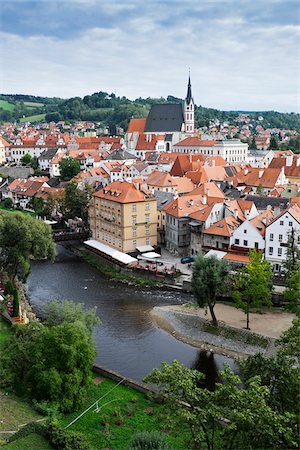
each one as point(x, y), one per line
point(245, 231)
point(271, 237)
point(134, 231)
point(271, 250)
point(280, 238)
point(133, 208)
point(147, 241)
point(147, 207)
point(290, 224)
point(134, 243)
point(281, 222)
point(133, 220)
point(256, 245)
point(245, 243)
point(236, 241)
point(280, 252)
point(147, 216)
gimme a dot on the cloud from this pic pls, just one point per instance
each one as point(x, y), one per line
point(237, 60)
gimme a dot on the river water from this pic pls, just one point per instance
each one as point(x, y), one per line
point(127, 341)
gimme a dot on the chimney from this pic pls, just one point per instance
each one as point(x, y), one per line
point(190, 157)
point(213, 163)
point(207, 192)
point(204, 199)
point(289, 160)
point(246, 171)
point(191, 202)
point(247, 213)
point(298, 161)
point(260, 173)
point(235, 213)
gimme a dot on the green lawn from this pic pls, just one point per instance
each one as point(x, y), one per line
point(30, 442)
point(33, 104)
point(4, 104)
point(124, 412)
point(16, 210)
point(36, 118)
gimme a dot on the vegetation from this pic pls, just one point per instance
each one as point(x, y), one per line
point(210, 276)
point(69, 167)
point(22, 237)
point(52, 362)
point(226, 418)
point(149, 440)
point(252, 285)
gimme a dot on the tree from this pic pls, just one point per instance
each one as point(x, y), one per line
point(59, 311)
point(273, 143)
point(16, 303)
point(76, 202)
point(292, 256)
point(292, 292)
point(259, 189)
point(253, 145)
point(230, 417)
point(26, 159)
point(69, 167)
point(210, 276)
point(38, 206)
point(53, 363)
point(252, 285)
point(8, 203)
point(23, 237)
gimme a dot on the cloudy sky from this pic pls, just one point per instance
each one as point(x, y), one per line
point(243, 54)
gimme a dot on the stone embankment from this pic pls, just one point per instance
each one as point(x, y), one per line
point(230, 338)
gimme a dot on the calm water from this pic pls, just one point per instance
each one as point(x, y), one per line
point(127, 341)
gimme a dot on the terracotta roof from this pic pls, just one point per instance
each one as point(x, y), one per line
point(224, 227)
point(293, 210)
point(195, 141)
point(183, 206)
point(255, 176)
point(136, 125)
point(4, 142)
point(236, 257)
point(144, 144)
point(160, 179)
point(292, 171)
point(121, 192)
point(210, 189)
point(202, 214)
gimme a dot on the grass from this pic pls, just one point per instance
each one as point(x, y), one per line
point(33, 104)
point(123, 412)
point(4, 104)
point(15, 412)
point(113, 273)
point(31, 442)
point(35, 118)
point(16, 210)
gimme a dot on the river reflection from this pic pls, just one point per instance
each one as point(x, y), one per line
point(127, 340)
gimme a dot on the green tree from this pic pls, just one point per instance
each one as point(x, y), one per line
point(292, 292)
point(16, 303)
point(69, 167)
point(26, 159)
point(23, 237)
point(273, 143)
point(59, 311)
point(292, 256)
point(53, 363)
point(253, 145)
point(76, 202)
point(8, 203)
point(259, 190)
point(38, 206)
point(229, 417)
point(210, 276)
point(252, 285)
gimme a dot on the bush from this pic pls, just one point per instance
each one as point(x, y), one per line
point(9, 288)
point(8, 203)
point(63, 439)
point(149, 440)
point(16, 304)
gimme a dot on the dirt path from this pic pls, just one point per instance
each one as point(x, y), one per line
point(270, 324)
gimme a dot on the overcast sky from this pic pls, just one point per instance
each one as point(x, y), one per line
point(243, 54)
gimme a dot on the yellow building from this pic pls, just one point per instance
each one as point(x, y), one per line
point(123, 217)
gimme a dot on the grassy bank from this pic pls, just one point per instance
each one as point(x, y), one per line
point(123, 412)
point(5, 332)
point(114, 274)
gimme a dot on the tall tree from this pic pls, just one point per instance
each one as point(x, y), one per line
point(23, 237)
point(210, 276)
point(252, 285)
point(292, 256)
point(273, 143)
point(76, 202)
point(253, 145)
point(230, 417)
point(69, 167)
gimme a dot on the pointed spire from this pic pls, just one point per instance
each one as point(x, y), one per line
point(189, 90)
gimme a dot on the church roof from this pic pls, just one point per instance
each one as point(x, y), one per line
point(165, 118)
point(189, 92)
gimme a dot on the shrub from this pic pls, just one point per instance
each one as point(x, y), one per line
point(64, 439)
point(16, 304)
point(149, 440)
point(8, 203)
point(9, 288)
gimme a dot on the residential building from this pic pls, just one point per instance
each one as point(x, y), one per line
point(123, 217)
point(277, 234)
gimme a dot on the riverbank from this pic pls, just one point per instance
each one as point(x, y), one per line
point(192, 326)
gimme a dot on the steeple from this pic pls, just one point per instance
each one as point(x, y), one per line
point(189, 109)
point(189, 92)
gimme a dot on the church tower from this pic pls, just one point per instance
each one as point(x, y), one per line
point(189, 110)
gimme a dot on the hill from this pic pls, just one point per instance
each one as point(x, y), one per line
point(117, 111)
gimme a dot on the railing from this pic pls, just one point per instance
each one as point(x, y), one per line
point(59, 236)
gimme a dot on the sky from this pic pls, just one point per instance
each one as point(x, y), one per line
point(242, 54)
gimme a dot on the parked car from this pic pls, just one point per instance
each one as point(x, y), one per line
point(186, 260)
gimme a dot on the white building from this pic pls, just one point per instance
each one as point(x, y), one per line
point(277, 234)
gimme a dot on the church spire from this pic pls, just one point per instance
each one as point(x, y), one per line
point(189, 91)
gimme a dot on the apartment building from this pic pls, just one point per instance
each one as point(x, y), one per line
point(123, 217)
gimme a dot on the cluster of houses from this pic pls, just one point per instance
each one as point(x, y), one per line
point(166, 183)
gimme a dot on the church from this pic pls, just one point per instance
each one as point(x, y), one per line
point(166, 124)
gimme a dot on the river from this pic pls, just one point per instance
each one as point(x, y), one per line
point(127, 341)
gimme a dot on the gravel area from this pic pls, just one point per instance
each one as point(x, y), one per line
point(185, 324)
